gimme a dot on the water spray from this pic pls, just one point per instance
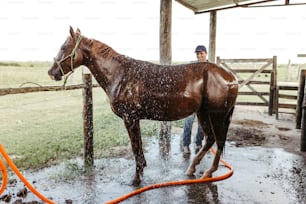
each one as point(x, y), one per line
point(176, 183)
point(117, 200)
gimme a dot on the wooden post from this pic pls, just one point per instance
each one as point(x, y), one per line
point(276, 102)
point(165, 32)
point(88, 120)
point(218, 61)
point(273, 85)
point(303, 132)
point(299, 102)
point(165, 50)
point(212, 36)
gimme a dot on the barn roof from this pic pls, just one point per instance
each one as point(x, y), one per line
point(203, 6)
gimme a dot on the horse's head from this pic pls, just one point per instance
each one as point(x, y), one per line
point(68, 58)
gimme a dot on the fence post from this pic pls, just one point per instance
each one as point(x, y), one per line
point(300, 99)
point(88, 120)
point(273, 85)
point(303, 132)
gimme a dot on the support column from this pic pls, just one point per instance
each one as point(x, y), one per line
point(165, 49)
point(212, 36)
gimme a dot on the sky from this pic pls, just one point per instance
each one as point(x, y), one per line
point(34, 30)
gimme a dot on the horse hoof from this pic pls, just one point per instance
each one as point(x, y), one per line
point(189, 172)
point(206, 176)
point(136, 182)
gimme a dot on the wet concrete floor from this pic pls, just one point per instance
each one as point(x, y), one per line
point(261, 175)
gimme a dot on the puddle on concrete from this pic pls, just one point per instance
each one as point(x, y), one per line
point(261, 175)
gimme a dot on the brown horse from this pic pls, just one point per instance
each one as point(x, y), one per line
point(143, 90)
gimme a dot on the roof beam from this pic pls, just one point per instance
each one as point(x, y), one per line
point(206, 6)
point(244, 5)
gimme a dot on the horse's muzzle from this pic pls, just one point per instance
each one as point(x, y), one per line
point(52, 77)
point(56, 77)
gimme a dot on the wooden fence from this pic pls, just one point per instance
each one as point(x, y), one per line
point(275, 91)
point(6, 91)
point(87, 109)
point(252, 77)
point(287, 92)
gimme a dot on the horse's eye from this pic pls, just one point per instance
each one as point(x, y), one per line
point(63, 48)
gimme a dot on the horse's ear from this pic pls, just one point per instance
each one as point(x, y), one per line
point(78, 31)
point(71, 32)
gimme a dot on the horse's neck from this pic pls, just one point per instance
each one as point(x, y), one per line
point(101, 61)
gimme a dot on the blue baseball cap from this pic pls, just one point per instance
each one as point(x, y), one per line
point(200, 48)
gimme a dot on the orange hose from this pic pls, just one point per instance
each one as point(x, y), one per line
point(21, 177)
point(175, 183)
point(4, 177)
point(122, 198)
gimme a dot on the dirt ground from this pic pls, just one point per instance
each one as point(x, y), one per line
point(254, 127)
point(265, 153)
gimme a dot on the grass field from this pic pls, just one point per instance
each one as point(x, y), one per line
point(43, 128)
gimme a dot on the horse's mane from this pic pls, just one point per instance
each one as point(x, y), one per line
point(105, 50)
point(108, 52)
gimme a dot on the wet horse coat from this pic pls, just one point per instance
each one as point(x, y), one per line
point(143, 90)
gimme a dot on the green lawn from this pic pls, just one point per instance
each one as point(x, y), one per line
point(43, 128)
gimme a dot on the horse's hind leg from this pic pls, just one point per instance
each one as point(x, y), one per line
point(219, 123)
point(133, 128)
point(209, 141)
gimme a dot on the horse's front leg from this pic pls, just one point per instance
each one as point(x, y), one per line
point(133, 128)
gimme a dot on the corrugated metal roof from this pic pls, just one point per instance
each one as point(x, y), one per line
point(200, 6)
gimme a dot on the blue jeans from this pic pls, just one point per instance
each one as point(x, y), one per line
point(187, 132)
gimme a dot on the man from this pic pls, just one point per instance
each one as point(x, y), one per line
point(201, 54)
